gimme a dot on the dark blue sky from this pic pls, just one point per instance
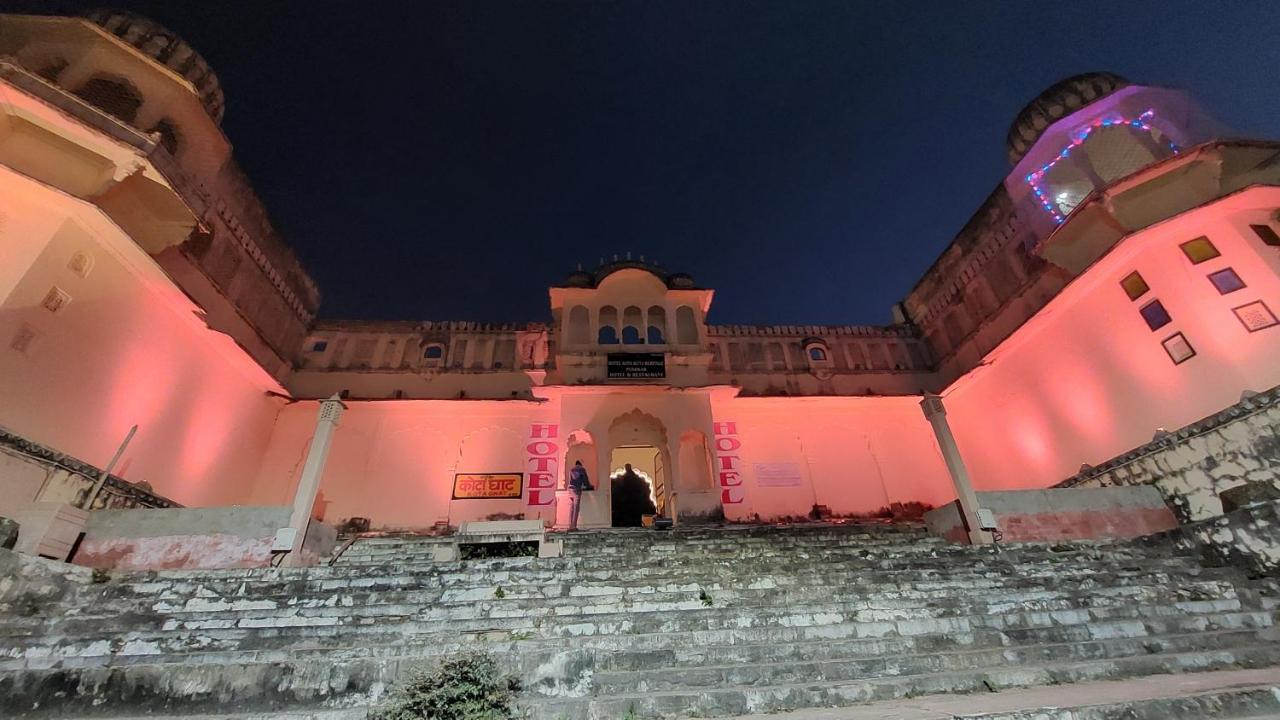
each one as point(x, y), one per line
point(808, 160)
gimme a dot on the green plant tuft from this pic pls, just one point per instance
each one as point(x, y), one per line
point(468, 686)
point(705, 598)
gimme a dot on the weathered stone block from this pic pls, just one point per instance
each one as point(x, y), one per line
point(1248, 493)
point(8, 533)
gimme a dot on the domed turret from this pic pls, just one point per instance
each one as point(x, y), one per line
point(1056, 102)
point(165, 47)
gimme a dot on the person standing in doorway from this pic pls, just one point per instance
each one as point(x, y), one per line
point(579, 481)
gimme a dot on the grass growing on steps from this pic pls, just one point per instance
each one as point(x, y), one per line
point(468, 686)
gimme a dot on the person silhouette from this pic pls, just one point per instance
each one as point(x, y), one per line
point(631, 498)
point(579, 482)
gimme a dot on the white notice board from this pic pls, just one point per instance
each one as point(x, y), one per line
point(778, 474)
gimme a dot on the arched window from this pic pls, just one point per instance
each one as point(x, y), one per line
point(608, 333)
point(579, 325)
point(115, 96)
point(433, 352)
point(686, 326)
point(657, 333)
point(632, 326)
point(168, 135)
point(819, 355)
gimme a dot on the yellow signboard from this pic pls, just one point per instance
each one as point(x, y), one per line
point(489, 486)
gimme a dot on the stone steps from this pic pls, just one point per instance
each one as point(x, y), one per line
point(1230, 695)
point(1043, 627)
point(711, 622)
point(907, 618)
point(739, 700)
point(247, 686)
point(583, 600)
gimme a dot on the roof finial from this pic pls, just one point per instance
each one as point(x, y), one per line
point(641, 258)
point(628, 256)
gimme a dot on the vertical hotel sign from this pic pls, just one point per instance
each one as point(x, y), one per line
point(728, 462)
point(543, 451)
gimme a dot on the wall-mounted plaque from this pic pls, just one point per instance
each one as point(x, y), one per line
point(778, 474)
point(637, 366)
point(488, 486)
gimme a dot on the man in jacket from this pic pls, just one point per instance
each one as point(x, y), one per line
point(578, 482)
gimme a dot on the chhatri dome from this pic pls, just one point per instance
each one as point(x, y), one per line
point(1056, 102)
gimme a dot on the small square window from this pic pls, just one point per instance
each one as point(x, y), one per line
point(319, 345)
point(24, 338)
point(1226, 280)
point(1199, 250)
point(1256, 316)
point(1267, 234)
point(1155, 315)
point(1134, 286)
point(1178, 348)
point(55, 299)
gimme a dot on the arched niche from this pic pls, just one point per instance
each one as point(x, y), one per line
point(686, 326)
point(656, 333)
point(579, 325)
point(608, 333)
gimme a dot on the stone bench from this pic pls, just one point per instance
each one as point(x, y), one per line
point(498, 531)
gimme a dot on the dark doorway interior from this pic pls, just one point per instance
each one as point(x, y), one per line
point(632, 499)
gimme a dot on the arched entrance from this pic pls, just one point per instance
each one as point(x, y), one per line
point(638, 462)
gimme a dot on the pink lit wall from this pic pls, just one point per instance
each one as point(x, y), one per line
point(394, 462)
point(126, 347)
point(1087, 379)
point(854, 455)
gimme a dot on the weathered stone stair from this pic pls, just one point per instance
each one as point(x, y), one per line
point(692, 622)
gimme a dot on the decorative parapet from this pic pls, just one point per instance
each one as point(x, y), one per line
point(240, 209)
point(894, 331)
point(72, 479)
point(417, 326)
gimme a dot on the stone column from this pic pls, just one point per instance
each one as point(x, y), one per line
point(304, 497)
point(968, 499)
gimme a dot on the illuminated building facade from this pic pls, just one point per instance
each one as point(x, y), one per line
point(1124, 277)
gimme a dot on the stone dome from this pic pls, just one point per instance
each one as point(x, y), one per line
point(1056, 102)
point(166, 48)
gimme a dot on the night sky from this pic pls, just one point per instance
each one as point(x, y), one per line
point(808, 160)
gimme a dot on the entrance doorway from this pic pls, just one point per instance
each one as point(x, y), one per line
point(639, 440)
point(637, 479)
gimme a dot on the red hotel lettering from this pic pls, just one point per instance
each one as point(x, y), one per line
point(538, 430)
point(542, 463)
point(731, 492)
point(542, 447)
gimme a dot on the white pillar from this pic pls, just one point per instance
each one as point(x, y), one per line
point(937, 416)
point(305, 496)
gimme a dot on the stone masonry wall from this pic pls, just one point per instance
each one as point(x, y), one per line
point(1193, 465)
point(32, 472)
point(1247, 538)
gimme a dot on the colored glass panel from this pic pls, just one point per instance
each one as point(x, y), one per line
point(1199, 250)
point(1134, 286)
point(1155, 315)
